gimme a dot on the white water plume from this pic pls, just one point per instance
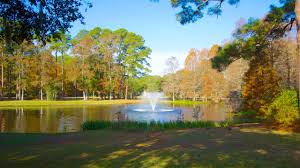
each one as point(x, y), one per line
point(152, 98)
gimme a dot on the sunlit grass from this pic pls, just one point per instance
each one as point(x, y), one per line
point(89, 102)
point(185, 102)
point(217, 147)
point(65, 102)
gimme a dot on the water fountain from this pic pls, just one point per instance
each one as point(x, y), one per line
point(151, 110)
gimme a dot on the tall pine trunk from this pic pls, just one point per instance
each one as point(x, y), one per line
point(110, 81)
point(2, 80)
point(9, 78)
point(8, 40)
point(62, 73)
point(2, 73)
point(297, 11)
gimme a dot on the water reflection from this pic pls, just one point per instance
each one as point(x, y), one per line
point(210, 112)
point(50, 119)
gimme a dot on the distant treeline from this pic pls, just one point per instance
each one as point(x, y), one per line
point(99, 62)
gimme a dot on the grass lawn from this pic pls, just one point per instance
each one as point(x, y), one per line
point(14, 103)
point(64, 102)
point(185, 102)
point(214, 147)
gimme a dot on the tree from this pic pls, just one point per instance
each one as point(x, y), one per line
point(192, 63)
point(172, 66)
point(35, 19)
point(260, 89)
point(99, 62)
point(20, 69)
point(41, 18)
point(254, 42)
point(284, 53)
point(2, 60)
point(60, 45)
point(284, 16)
point(73, 73)
point(148, 83)
point(83, 49)
point(108, 50)
point(132, 55)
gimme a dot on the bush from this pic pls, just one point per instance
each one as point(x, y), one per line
point(153, 125)
point(246, 116)
point(284, 109)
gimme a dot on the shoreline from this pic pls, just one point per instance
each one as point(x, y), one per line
point(18, 103)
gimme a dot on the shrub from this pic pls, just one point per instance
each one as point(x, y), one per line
point(284, 109)
point(246, 116)
point(153, 125)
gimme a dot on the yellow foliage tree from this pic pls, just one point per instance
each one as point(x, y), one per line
point(260, 88)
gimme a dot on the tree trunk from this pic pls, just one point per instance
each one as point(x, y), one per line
point(9, 70)
point(110, 82)
point(62, 73)
point(41, 92)
point(19, 86)
point(2, 80)
point(194, 96)
point(288, 66)
point(75, 90)
point(22, 84)
point(2, 75)
point(16, 92)
point(8, 40)
point(19, 93)
point(173, 95)
point(297, 11)
point(56, 71)
point(126, 90)
point(22, 96)
point(85, 95)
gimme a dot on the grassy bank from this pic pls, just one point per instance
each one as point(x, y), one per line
point(96, 125)
point(215, 147)
point(65, 102)
point(88, 102)
point(185, 102)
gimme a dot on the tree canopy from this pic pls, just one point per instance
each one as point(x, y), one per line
point(23, 19)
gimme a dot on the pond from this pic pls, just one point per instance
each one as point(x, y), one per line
point(57, 119)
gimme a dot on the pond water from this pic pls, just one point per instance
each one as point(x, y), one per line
point(56, 119)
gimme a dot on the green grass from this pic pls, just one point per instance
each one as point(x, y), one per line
point(185, 102)
point(96, 125)
point(14, 103)
point(64, 102)
point(214, 147)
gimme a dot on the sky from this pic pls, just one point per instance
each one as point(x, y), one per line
point(156, 22)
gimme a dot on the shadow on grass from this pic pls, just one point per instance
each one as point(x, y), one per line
point(215, 147)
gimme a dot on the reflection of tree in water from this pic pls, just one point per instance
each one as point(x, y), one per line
point(2, 121)
point(61, 123)
point(197, 114)
point(19, 118)
point(119, 116)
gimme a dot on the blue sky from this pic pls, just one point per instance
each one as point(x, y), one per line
point(156, 22)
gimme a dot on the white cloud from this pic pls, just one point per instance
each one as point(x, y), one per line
point(158, 60)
